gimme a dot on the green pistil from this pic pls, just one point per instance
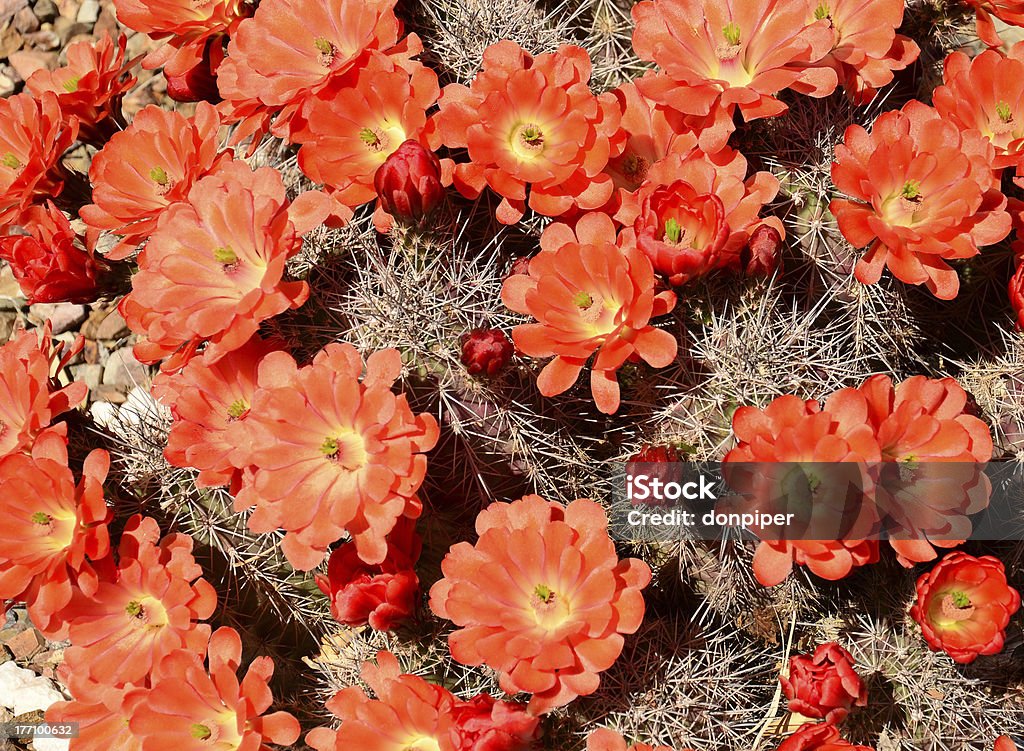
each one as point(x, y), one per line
point(731, 32)
point(200, 732)
point(324, 45)
point(159, 176)
point(10, 161)
point(961, 600)
point(822, 12)
point(582, 300)
point(40, 518)
point(911, 190)
point(532, 135)
point(133, 608)
point(1003, 110)
point(369, 137)
point(71, 85)
point(237, 409)
point(544, 593)
point(225, 255)
point(673, 231)
point(329, 447)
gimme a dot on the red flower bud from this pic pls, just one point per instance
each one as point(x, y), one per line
point(379, 595)
point(48, 265)
point(486, 351)
point(761, 257)
point(655, 454)
point(824, 685)
point(198, 83)
point(818, 737)
point(486, 724)
point(409, 183)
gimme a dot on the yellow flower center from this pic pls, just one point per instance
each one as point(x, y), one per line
point(200, 732)
point(583, 300)
point(328, 51)
point(911, 190)
point(10, 161)
point(731, 32)
point(159, 176)
point(528, 140)
point(544, 593)
point(1003, 112)
point(347, 449)
point(635, 168)
point(237, 409)
point(41, 518)
point(375, 139)
point(225, 256)
point(822, 12)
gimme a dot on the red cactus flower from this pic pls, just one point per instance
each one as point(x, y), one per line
point(589, 296)
point(191, 707)
point(1004, 743)
point(360, 124)
point(408, 713)
point(735, 55)
point(923, 192)
point(486, 724)
point(52, 529)
point(381, 594)
point(820, 736)
point(29, 399)
point(291, 49)
point(333, 453)
point(214, 269)
point(187, 27)
point(148, 167)
point(541, 597)
point(142, 612)
point(986, 94)
point(964, 604)
point(409, 183)
point(532, 123)
point(763, 254)
point(49, 263)
point(838, 441)
point(1016, 291)
point(695, 213)
point(922, 423)
point(604, 739)
point(1008, 11)
point(824, 685)
point(33, 137)
point(867, 48)
point(198, 83)
point(205, 399)
point(486, 351)
point(90, 87)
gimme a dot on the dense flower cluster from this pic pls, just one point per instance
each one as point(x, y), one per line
point(541, 597)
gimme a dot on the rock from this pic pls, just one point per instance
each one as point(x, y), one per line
point(45, 10)
point(27, 62)
point(51, 744)
point(22, 691)
point(104, 394)
point(123, 371)
point(107, 22)
point(106, 324)
point(45, 40)
point(25, 21)
point(8, 9)
point(91, 375)
point(25, 644)
point(10, 41)
point(11, 297)
point(92, 352)
point(88, 12)
point(67, 8)
point(6, 86)
point(65, 28)
point(63, 316)
point(7, 321)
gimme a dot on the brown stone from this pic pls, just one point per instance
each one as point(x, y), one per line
point(25, 644)
point(106, 393)
point(27, 62)
point(25, 21)
point(91, 352)
point(10, 41)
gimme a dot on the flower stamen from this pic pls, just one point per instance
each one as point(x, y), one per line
point(327, 49)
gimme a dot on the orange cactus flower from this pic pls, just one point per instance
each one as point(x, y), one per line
point(867, 48)
point(90, 87)
point(214, 269)
point(987, 94)
point(29, 399)
point(605, 739)
point(291, 49)
point(964, 605)
point(541, 597)
point(589, 296)
point(102, 718)
point(332, 453)
point(920, 422)
point(146, 609)
point(793, 430)
point(186, 25)
point(1008, 11)
point(52, 529)
point(922, 192)
point(408, 713)
point(532, 123)
point(146, 168)
point(696, 213)
point(205, 399)
point(653, 131)
point(1005, 743)
point(191, 707)
point(734, 55)
point(352, 128)
point(33, 137)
